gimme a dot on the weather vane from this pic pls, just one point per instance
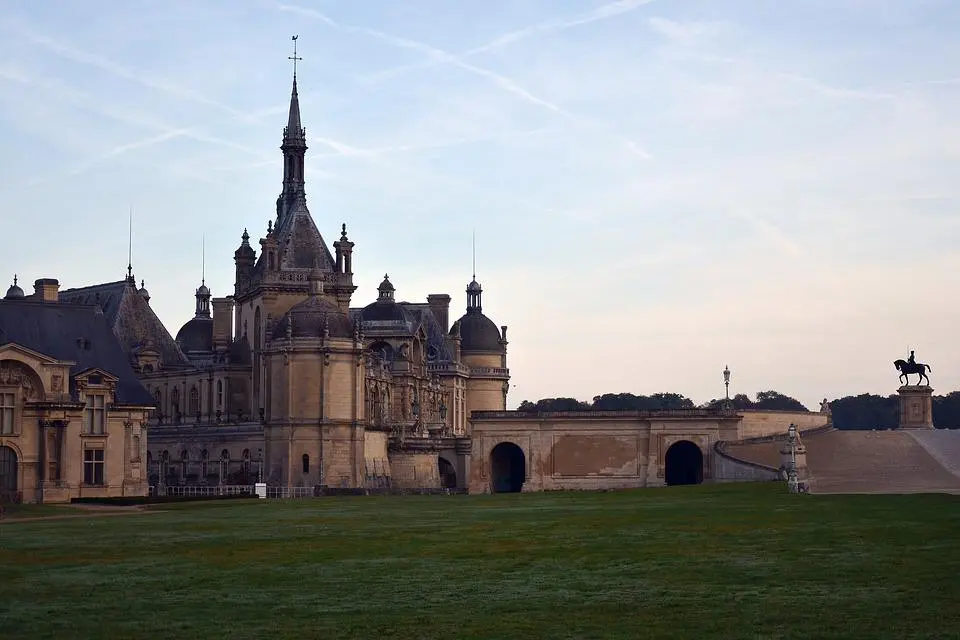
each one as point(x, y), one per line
point(294, 56)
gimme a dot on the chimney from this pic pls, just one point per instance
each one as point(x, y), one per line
point(222, 323)
point(440, 306)
point(46, 290)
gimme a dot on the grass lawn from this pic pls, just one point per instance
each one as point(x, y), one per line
point(686, 562)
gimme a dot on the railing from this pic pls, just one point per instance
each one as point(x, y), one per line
point(667, 413)
point(200, 491)
point(284, 493)
point(490, 371)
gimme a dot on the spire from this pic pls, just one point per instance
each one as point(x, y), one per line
point(203, 293)
point(294, 149)
point(130, 279)
point(474, 290)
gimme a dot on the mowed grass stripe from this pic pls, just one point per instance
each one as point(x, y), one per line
point(707, 561)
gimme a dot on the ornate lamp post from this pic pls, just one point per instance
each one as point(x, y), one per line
point(726, 384)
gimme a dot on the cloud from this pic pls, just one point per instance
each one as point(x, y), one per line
point(499, 80)
point(113, 68)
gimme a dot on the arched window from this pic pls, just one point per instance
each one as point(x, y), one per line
point(306, 463)
point(194, 401)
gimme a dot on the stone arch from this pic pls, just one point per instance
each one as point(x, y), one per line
point(508, 468)
point(683, 463)
point(448, 473)
point(9, 475)
point(14, 373)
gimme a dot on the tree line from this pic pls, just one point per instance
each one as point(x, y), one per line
point(864, 411)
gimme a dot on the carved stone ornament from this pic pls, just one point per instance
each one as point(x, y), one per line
point(56, 383)
point(17, 374)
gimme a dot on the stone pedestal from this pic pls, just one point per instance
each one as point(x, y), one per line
point(916, 407)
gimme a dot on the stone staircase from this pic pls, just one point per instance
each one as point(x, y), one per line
point(943, 445)
point(881, 462)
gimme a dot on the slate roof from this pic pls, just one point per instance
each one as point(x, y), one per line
point(56, 329)
point(130, 317)
point(420, 315)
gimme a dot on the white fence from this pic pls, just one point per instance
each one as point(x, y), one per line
point(201, 491)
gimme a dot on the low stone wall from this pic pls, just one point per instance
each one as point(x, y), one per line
point(759, 424)
point(727, 468)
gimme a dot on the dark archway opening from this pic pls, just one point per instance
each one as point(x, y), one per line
point(508, 468)
point(9, 476)
point(684, 464)
point(448, 475)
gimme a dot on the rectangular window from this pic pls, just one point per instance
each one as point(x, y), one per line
point(93, 467)
point(7, 401)
point(94, 417)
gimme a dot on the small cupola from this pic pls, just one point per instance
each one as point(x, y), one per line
point(386, 289)
point(14, 292)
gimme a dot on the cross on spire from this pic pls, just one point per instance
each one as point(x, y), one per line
point(294, 56)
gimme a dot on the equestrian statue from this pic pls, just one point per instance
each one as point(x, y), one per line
point(910, 366)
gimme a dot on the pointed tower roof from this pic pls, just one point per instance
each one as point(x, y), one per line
point(294, 127)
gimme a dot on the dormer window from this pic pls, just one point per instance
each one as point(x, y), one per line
point(94, 415)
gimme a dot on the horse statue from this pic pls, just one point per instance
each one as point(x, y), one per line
point(907, 368)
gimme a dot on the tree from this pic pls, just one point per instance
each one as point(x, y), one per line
point(776, 401)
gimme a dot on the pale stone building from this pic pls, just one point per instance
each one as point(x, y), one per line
point(72, 411)
point(288, 380)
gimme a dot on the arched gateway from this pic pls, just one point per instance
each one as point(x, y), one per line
point(683, 463)
point(9, 475)
point(508, 468)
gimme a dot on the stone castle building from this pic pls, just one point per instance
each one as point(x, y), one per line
point(290, 381)
point(285, 380)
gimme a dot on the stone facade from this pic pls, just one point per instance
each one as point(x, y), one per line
point(578, 450)
point(72, 414)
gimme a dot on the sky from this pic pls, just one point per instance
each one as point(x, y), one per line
point(657, 188)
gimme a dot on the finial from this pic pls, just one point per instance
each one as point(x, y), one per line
point(245, 237)
point(474, 254)
point(203, 260)
point(142, 284)
point(14, 279)
point(269, 227)
point(130, 245)
point(386, 276)
point(343, 231)
point(294, 57)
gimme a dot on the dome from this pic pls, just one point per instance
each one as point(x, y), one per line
point(143, 291)
point(14, 292)
point(309, 318)
point(385, 308)
point(478, 333)
point(196, 335)
point(203, 290)
point(382, 311)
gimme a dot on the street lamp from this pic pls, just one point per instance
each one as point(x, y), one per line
point(792, 482)
point(726, 381)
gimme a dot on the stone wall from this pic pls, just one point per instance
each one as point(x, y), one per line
point(759, 424)
point(591, 449)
